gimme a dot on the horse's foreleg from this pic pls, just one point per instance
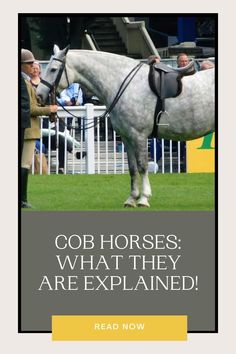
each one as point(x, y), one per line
point(134, 177)
point(131, 201)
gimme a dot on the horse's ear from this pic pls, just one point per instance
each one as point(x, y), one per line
point(66, 49)
point(56, 49)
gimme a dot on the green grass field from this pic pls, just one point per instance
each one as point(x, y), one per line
point(108, 192)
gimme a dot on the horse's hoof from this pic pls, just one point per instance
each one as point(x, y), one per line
point(143, 203)
point(129, 205)
point(140, 205)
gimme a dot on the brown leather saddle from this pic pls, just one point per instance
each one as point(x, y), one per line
point(166, 82)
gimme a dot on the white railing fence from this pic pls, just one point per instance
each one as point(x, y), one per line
point(105, 152)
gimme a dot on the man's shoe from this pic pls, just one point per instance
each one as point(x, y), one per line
point(61, 171)
point(26, 205)
point(78, 155)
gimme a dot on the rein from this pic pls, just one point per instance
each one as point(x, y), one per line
point(125, 83)
point(122, 88)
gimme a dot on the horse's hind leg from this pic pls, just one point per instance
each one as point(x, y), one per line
point(134, 177)
point(146, 191)
point(142, 163)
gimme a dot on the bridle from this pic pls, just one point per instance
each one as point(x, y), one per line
point(58, 78)
point(52, 92)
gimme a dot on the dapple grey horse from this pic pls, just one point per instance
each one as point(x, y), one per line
point(190, 115)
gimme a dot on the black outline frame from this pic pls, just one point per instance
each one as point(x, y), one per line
point(215, 16)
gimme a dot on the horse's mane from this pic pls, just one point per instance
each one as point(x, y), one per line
point(97, 53)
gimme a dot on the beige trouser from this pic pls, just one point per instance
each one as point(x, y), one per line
point(27, 154)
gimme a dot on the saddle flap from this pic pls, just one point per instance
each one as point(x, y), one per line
point(165, 84)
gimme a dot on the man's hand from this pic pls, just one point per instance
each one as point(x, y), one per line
point(53, 108)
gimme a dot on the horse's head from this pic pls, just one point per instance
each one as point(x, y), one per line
point(53, 73)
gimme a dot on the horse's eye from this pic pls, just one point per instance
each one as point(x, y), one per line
point(53, 70)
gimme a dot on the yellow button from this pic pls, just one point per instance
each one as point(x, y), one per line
point(119, 328)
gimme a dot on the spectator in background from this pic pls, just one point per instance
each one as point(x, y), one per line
point(71, 96)
point(89, 97)
point(182, 61)
point(33, 132)
point(62, 141)
point(35, 75)
point(207, 64)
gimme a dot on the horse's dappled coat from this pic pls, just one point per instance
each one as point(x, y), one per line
point(190, 115)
